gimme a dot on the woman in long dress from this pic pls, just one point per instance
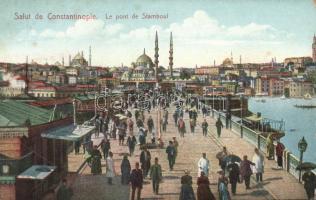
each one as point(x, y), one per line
point(110, 169)
point(270, 147)
point(95, 160)
point(222, 187)
point(203, 190)
point(125, 170)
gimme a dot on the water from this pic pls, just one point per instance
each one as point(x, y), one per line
point(298, 122)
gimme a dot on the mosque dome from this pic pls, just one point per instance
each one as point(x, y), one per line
point(144, 61)
point(227, 62)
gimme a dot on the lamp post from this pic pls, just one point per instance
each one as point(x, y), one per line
point(213, 103)
point(302, 146)
point(241, 115)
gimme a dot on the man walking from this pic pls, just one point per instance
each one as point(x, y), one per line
point(150, 124)
point(279, 153)
point(136, 180)
point(175, 144)
point(131, 142)
point(203, 165)
point(145, 158)
point(181, 127)
point(155, 175)
point(245, 170)
point(258, 160)
point(219, 126)
point(192, 124)
point(171, 154)
point(105, 146)
point(204, 127)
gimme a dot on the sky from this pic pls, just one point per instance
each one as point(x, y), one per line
point(203, 30)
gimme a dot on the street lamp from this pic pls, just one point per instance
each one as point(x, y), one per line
point(241, 115)
point(302, 146)
point(213, 103)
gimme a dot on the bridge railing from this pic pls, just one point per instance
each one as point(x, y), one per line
point(290, 161)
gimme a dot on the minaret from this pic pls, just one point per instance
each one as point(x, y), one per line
point(314, 49)
point(69, 60)
point(89, 56)
point(156, 56)
point(231, 56)
point(171, 56)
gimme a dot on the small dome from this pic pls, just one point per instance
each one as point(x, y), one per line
point(227, 61)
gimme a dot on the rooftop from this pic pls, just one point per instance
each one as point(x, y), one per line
point(15, 113)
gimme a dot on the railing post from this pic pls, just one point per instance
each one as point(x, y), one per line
point(241, 131)
point(288, 161)
point(258, 139)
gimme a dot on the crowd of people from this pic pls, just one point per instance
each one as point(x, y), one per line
point(233, 170)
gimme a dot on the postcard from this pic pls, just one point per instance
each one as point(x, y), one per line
point(146, 99)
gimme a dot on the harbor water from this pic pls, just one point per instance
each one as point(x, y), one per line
point(299, 122)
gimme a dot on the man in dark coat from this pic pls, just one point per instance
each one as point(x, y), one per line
point(136, 180)
point(233, 176)
point(156, 175)
point(245, 171)
point(131, 142)
point(309, 184)
point(171, 151)
point(125, 170)
point(145, 158)
point(64, 192)
point(105, 146)
point(142, 136)
point(150, 124)
point(204, 127)
point(175, 117)
point(219, 126)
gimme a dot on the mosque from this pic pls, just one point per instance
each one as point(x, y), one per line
point(144, 72)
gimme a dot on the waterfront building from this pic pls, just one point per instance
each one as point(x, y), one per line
point(299, 88)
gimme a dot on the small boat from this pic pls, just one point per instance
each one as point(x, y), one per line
point(292, 129)
point(263, 100)
point(283, 97)
point(307, 96)
point(305, 106)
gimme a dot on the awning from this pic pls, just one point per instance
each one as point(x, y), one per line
point(37, 172)
point(70, 133)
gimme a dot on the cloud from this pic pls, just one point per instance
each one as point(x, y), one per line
point(196, 38)
point(83, 29)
